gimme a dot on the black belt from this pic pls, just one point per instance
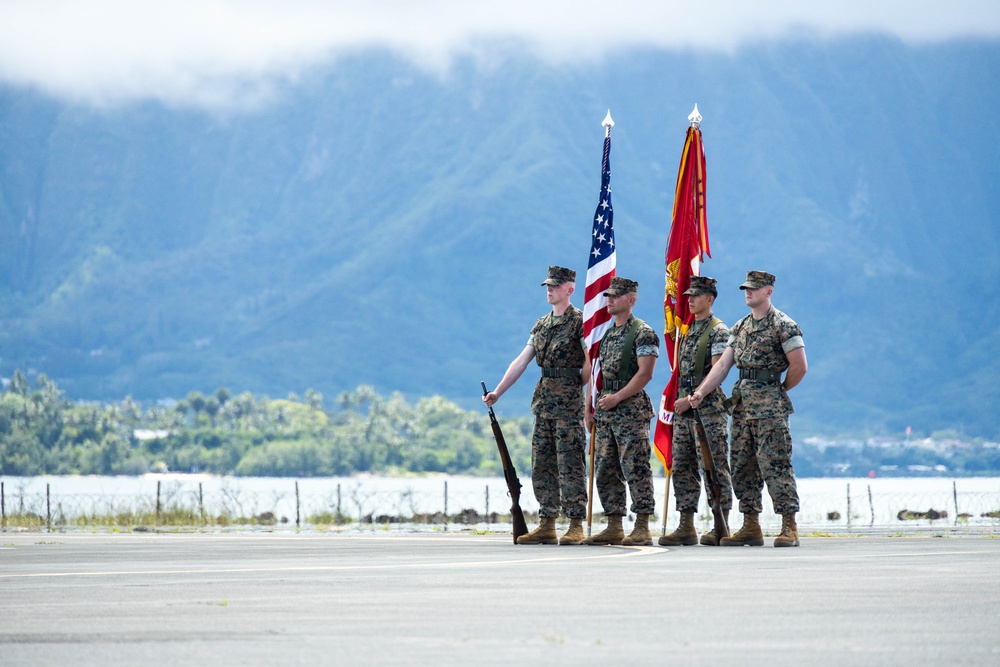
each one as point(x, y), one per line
point(557, 372)
point(760, 374)
point(690, 381)
point(614, 385)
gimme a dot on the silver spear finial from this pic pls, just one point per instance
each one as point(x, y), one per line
point(608, 124)
point(695, 117)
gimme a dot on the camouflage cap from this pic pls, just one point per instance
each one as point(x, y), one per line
point(702, 285)
point(621, 286)
point(558, 275)
point(757, 279)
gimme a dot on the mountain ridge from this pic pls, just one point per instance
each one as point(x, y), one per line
point(379, 225)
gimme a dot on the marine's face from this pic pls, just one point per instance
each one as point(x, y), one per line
point(700, 303)
point(757, 297)
point(558, 293)
point(619, 305)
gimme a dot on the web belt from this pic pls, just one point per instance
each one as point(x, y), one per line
point(760, 374)
point(560, 372)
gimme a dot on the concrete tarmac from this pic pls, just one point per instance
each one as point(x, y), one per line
point(464, 599)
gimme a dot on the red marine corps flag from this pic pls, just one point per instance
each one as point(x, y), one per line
point(687, 242)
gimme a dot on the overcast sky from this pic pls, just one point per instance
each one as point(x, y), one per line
point(218, 53)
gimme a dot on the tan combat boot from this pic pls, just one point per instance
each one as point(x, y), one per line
point(749, 534)
point(640, 536)
point(574, 535)
point(612, 534)
point(789, 536)
point(544, 534)
point(708, 539)
point(685, 535)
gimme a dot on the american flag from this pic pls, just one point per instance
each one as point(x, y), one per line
point(601, 264)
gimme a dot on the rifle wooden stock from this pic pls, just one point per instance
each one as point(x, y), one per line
point(509, 475)
point(711, 481)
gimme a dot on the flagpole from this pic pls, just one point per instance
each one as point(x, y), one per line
point(685, 253)
point(666, 503)
point(601, 265)
point(677, 348)
point(590, 490)
point(695, 119)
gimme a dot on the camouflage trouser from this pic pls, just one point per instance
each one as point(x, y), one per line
point(762, 452)
point(622, 444)
point(559, 466)
point(687, 469)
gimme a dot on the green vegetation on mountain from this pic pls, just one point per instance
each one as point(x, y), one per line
point(374, 224)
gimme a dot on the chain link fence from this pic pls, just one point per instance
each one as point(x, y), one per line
point(452, 503)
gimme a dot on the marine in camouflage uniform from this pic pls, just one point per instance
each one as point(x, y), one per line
point(687, 458)
point(762, 346)
point(622, 424)
point(558, 443)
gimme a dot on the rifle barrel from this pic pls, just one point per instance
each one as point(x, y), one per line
point(510, 475)
point(721, 529)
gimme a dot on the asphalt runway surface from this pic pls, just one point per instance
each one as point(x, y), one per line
point(466, 599)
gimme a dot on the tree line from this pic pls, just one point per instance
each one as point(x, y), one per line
point(43, 432)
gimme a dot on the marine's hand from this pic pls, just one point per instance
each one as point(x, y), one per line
point(608, 401)
point(588, 418)
point(490, 398)
point(695, 399)
point(682, 405)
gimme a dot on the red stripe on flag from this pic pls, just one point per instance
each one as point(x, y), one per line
point(598, 287)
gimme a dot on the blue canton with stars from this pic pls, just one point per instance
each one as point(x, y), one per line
point(603, 243)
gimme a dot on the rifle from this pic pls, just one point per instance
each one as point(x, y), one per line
point(711, 481)
point(509, 475)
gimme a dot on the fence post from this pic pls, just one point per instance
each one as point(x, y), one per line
point(848, 507)
point(3, 508)
point(201, 503)
point(446, 504)
point(488, 522)
point(296, 503)
point(48, 509)
point(954, 493)
point(158, 502)
point(871, 506)
point(339, 514)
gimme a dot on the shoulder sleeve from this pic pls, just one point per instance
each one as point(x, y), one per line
point(647, 343)
point(787, 327)
point(534, 330)
point(789, 333)
point(578, 321)
point(538, 325)
point(736, 329)
point(719, 338)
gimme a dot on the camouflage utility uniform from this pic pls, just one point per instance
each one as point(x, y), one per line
point(714, 415)
point(558, 444)
point(761, 442)
point(623, 433)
